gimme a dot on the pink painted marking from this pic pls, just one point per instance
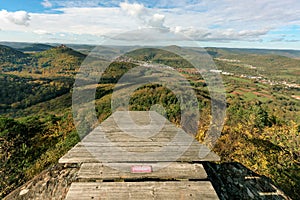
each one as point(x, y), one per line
point(141, 169)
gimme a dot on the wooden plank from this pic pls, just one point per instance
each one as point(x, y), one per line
point(116, 171)
point(169, 131)
point(83, 155)
point(88, 158)
point(136, 143)
point(123, 138)
point(80, 154)
point(133, 146)
point(142, 190)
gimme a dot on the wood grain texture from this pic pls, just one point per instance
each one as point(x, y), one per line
point(186, 190)
point(116, 171)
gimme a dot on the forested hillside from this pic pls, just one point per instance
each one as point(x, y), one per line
point(12, 58)
point(36, 125)
point(262, 125)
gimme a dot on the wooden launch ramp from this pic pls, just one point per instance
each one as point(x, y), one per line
point(118, 163)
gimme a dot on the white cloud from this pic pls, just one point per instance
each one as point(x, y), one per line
point(157, 21)
point(41, 32)
point(145, 15)
point(206, 20)
point(135, 9)
point(291, 40)
point(46, 4)
point(277, 40)
point(85, 3)
point(223, 35)
point(232, 25)
point(18, 17)
point(255, 33)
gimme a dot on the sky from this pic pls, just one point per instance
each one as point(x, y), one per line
point(271, 24)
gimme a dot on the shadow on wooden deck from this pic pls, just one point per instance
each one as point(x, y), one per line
point(235, 181)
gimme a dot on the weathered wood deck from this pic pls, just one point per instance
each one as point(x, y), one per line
point(108, 153)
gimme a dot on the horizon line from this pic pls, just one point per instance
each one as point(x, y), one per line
point(184, 46)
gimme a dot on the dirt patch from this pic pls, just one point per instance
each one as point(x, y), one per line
point(296, 97)
point(262, 94)
point(237, 93)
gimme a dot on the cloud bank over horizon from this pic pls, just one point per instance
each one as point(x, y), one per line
point(227, 23)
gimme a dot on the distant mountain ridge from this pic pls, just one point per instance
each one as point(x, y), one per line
point(23, 46)
point(9, 55)
point(35, 48)
point(288, 53)
point(61, 59)
point(85, 48)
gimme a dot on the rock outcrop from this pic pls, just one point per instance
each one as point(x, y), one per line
point(52, 183)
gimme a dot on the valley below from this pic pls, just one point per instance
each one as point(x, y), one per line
point(261, 129)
